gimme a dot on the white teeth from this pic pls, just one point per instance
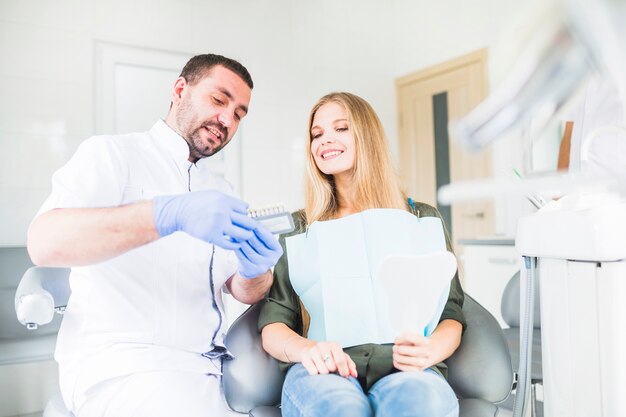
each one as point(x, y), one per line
point(331, 154)
point(215, 132)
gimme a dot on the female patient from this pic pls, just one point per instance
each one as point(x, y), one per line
point(349, 170)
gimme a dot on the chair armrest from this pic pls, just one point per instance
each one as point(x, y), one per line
point(40, 291)
point(253, 378)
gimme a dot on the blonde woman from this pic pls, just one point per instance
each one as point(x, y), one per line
point(349, 170)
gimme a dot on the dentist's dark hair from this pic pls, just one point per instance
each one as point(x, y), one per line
point(200, 66)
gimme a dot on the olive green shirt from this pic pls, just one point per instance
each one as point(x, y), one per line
point(373, 361)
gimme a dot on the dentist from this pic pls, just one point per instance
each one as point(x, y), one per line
point(154, 238)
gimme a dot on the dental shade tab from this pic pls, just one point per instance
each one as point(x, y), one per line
point(274, 217)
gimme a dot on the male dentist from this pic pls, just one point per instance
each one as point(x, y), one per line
point(154, 238)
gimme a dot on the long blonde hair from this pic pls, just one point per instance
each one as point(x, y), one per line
point(375, 182)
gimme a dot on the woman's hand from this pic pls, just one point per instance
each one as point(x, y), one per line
point(413, 352)
point(327, 357)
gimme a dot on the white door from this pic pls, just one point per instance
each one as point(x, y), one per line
point(133, 89)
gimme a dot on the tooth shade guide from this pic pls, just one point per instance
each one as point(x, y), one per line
point(274, 217)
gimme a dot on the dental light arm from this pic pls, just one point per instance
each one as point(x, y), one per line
point(572, 41)
point(546, 77)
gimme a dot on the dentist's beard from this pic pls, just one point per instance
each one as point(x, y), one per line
point(200, 146)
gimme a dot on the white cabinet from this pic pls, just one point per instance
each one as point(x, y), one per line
point(486, 267)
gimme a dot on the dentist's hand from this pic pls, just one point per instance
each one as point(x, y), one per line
point(259, 253)
point(208, 215)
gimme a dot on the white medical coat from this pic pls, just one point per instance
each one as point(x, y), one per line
point(154, 307)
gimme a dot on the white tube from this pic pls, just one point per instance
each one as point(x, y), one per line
point(523, 389)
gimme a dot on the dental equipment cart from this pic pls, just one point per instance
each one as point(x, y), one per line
point(580, 245)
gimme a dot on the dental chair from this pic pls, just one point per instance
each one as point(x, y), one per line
point(480, 370)
point(42, 292)
point(24, 354)
point(17, 344)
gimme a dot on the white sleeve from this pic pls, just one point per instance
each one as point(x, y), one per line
point(94, 176)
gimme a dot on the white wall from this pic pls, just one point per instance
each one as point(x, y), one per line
point(295, 50)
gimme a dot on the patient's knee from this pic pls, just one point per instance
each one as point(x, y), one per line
point(329, 395)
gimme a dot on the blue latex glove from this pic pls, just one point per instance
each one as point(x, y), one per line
point(208, 215)
point(258, 254)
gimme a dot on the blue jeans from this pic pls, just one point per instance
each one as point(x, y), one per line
point(402, 394)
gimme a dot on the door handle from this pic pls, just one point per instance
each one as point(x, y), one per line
point(477, 215)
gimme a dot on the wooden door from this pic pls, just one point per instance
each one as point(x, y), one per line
point(429, 158)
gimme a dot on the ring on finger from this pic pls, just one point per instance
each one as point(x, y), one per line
point(325, 358)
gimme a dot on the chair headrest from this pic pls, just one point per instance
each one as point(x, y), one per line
point(510, 304)
point(39, 292)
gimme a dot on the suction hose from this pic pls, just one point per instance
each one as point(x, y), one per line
point(520, 406)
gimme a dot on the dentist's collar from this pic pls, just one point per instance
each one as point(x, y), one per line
point(172, 143)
